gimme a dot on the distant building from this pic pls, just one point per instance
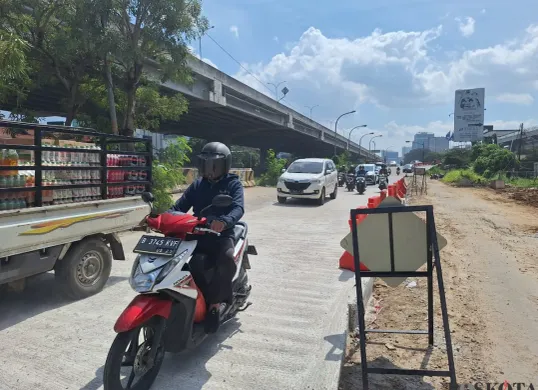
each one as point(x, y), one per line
point(389, 155)
point(405, 150)
point(422, 140)
point(438, 144)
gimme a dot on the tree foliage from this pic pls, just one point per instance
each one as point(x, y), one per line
point(99, 51)
point(274, 169)
point(416, 154)
point(457, 157)
point(167, 172)
point(156, 31)
point(491, 159)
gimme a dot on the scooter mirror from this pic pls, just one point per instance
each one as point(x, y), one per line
point(148, 197)
point(222, 201)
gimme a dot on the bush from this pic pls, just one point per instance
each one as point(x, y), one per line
point(491, 159)
point(167, 172)
point(274, 169)
point(459, 176)
point(436, 170)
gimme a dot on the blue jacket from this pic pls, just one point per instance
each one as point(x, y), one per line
point(201, 193)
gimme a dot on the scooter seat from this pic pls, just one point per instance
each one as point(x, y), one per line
point(240, 231)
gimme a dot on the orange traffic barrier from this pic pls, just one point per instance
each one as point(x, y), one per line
point(392, 190)
point(347, 262)
point(383, 195)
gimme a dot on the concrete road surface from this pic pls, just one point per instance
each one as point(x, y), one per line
point(290, 338)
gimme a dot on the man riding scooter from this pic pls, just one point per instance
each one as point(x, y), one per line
point(215, 161)
point(383, 177)
point(361, 179)
point(398, 171)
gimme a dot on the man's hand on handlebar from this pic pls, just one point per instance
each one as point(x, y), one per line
point(217, 226)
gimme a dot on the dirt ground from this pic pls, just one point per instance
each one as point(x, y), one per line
point(490, 269)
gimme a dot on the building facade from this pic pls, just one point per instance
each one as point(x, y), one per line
point(438, 144)
point(422, 140)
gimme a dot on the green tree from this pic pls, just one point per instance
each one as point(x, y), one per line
point(274, 169)
point(459, 158)
point(492, 159)
point(152, 108)
point(245, 157)
point(14, 65)
point(176, 154)
point(156, 31)
point(62, 35)
point(167, 172)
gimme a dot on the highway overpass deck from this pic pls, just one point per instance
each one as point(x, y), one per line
point(223, 108)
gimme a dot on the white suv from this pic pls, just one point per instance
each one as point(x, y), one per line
point(308, 178)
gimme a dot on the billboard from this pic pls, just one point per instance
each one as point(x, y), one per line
point(469, 115)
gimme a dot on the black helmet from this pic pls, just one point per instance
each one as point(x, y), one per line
point(214, 161)
point(361, 166)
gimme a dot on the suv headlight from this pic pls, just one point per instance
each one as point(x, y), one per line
point(280, 180)
point(315, 181)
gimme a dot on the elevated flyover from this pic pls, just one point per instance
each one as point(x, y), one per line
point(222, 108)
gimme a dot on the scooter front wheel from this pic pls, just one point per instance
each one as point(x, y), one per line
point(129, 364)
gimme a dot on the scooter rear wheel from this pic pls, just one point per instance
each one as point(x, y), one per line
point(130, 350)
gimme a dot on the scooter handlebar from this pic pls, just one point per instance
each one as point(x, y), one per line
point(207, 230)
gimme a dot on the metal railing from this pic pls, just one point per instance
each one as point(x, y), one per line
point(104, 149)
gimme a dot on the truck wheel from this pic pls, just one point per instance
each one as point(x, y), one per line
point(281, 199)
point(85, 269)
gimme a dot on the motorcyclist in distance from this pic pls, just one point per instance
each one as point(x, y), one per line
point(384, 171)
point(351, 170)
point(214, 163)
point(361, 170)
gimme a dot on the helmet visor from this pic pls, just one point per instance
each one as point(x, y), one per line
point(211, 165)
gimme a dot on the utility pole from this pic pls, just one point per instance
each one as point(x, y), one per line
point(520, 142)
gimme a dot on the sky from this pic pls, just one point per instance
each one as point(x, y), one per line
point(396, 62)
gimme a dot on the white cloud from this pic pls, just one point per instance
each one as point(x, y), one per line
point(466, 26)
point(483, 11)
point(399, 70)
point(235, 31)
point(275, 38)
point(516, 98)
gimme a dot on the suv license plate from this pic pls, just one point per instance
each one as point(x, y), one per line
point(162, 246)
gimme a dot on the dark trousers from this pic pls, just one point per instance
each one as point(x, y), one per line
point(213, 268)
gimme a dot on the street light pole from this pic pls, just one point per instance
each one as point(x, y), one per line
point(336, 127)
point(276, 88)
point(349, 136)
point(371, 139)
point(311, 108)
point(360, 141)
point(200, 41)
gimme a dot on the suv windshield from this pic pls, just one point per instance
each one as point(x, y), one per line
point(306, 167)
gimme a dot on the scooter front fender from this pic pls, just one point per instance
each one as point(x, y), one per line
point(141, 309)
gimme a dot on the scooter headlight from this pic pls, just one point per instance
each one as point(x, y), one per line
point(141, 282)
